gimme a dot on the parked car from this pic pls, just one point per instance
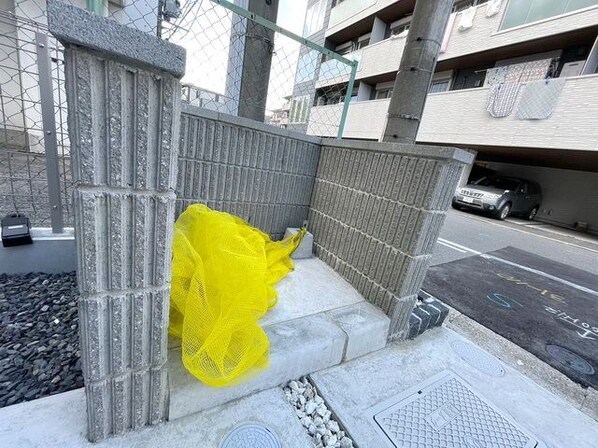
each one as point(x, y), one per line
point(501, 196)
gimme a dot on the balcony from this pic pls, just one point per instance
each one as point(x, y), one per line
point(485, 34)
point(459, 117)
point(575, 114)
point(376, 59)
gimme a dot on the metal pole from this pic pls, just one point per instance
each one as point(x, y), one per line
point(257, 61)
point(348, 96)
point(418, 63)
point(46, 92)
point(274, 27)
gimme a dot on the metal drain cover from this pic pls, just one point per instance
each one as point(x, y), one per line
point(478, 358)
point(444, 412)
point(570, 359)
point(251, 436)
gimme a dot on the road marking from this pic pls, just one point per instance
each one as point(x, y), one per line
point(458, 246)
point(451, 247)
point(490, 221)
point(520, 266)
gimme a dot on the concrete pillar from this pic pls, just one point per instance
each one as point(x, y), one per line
point(364, 92)
point(378, 30)
point(123, 97)
point(257, 61)
point(418, 63)
point(236, 52)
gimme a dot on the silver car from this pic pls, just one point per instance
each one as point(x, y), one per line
point(501, 196)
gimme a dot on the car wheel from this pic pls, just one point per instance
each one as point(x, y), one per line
point(455, 206)
point(503, 212)
point(532, 214)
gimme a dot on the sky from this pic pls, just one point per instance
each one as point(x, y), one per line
point(204, 30)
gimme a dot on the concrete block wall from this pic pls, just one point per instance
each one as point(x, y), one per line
point(376, 212)
point(259, 172)
point(123, 98)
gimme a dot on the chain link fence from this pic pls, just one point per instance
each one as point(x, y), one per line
point(228, 49)
point(228, 52)
point(35, 177)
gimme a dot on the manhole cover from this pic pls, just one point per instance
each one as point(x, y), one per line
point(444, 412)
point(251, 436)
point(569, 359)
point(478, 358)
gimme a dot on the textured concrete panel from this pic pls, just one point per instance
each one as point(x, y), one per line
point(376, 211)
point(124, 129)
point(258, 172)
point(72, 25)
point(366, 328)
point(293, 344)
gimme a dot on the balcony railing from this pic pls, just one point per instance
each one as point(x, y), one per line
point(460, 117)
point(376, 59)
point(484, 35)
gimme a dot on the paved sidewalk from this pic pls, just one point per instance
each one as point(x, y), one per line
point(351, 391)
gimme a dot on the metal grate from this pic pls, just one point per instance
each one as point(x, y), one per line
point(251, 436)
point(478, 358)
point(443, 412)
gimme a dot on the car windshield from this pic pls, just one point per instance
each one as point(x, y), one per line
point(502, 183)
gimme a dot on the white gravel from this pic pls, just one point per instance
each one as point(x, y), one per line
point(315, 416)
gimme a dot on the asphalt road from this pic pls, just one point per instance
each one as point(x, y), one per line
point(535, 286)
point(465, 235)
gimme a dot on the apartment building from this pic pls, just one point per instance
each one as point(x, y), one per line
point(488, 44)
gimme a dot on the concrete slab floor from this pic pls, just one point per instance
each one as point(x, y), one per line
point(351, 389)
point(59, 422)
point(312, 288)
point(524, 362)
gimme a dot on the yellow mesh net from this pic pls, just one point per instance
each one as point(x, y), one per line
point(223, 277)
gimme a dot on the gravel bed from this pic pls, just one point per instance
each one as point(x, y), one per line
point(39, 336)
point(315, 416)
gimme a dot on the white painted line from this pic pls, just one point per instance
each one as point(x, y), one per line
point(494, 223)
point(520, 266)
point(451, 247)
point(543, 274)
point(458, 246)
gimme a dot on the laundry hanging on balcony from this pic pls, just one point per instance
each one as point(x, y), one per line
point(223, 276)
point(528, 71)
point(501, 99)
point(496, 75)
point(467, 17)
point(493, 7)
point(539, 99)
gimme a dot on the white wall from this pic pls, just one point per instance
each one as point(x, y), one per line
point(460, 117)
point(485, 34)
point(569, 196)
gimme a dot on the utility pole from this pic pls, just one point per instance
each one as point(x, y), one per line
point(418, 63)
point(257, 60)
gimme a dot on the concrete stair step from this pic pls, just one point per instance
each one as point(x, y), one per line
point(298, 347)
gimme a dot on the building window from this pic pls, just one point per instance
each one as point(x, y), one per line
point(462, 5)
point(520, 12)
point(399, 27)
point(314, 18)
point(383, 93)
point(299, 109)
point(306, 67)
point(353, 45)
point(439, 86)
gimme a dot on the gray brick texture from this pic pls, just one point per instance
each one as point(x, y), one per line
point(124, 127)
point(375, 216)
point(240, 168)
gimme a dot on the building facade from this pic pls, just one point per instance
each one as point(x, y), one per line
point(489, 46)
